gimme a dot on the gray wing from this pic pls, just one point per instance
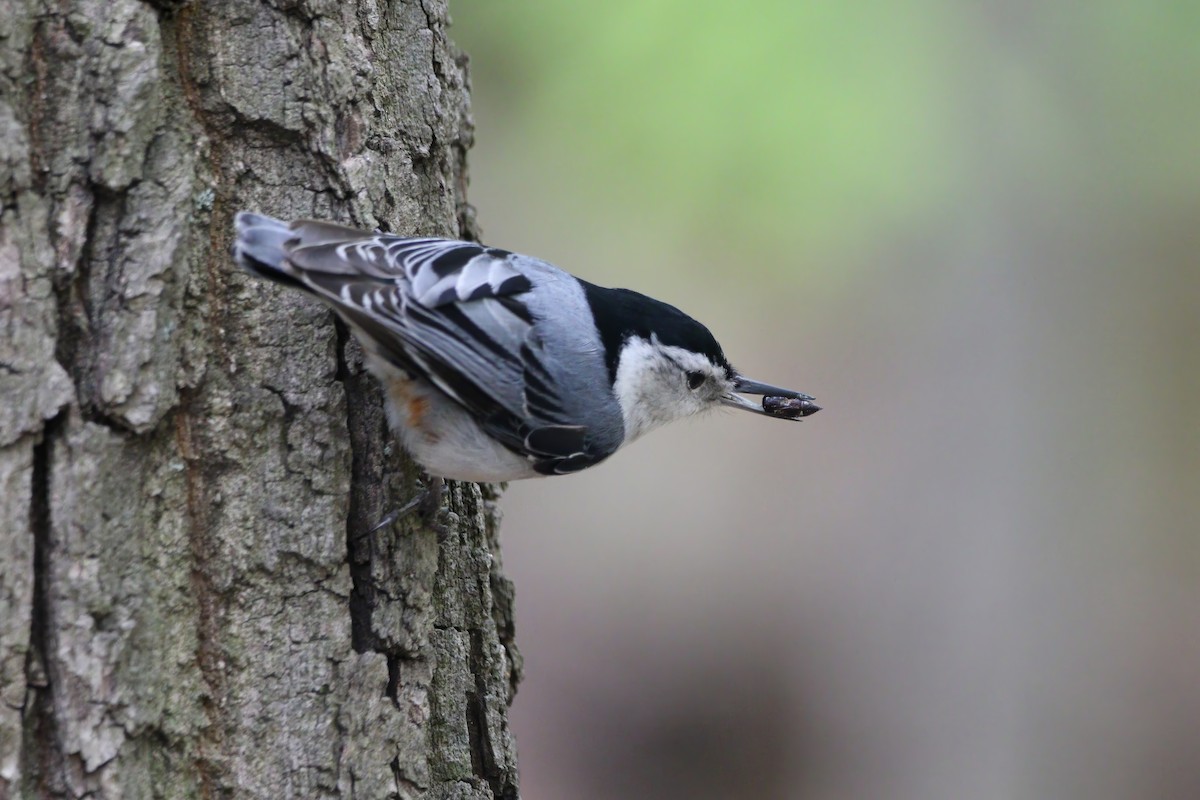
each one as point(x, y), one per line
point(454, 313)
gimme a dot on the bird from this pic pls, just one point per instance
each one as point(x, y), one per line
point(497, 366)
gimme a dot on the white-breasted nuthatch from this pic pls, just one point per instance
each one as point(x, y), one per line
point(498, 366)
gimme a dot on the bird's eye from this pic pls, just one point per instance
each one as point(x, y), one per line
point(695, 380)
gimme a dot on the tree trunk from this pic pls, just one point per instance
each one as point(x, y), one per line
point(191, 603)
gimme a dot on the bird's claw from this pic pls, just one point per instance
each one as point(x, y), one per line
point(427, 504)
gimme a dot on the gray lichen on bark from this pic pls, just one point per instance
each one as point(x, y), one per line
point(190, 602)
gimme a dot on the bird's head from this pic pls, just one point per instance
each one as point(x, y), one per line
point(666, 366)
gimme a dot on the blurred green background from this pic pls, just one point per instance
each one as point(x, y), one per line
point(971, 231)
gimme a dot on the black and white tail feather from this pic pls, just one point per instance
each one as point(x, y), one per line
point(457, 315)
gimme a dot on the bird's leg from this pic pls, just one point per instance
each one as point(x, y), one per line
point(433, 499)
point(428, 505)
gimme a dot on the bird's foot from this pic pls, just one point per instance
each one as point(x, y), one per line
point(428, 505)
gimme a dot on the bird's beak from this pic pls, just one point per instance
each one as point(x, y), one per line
point(794, 405)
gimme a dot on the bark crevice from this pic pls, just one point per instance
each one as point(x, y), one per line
point(42, 751)
point(208, 655)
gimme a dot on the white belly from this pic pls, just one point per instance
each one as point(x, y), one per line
point(443, 438)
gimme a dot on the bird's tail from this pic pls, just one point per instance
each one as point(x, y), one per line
point(259, 247)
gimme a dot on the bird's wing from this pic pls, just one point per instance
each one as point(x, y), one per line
point(453, 313)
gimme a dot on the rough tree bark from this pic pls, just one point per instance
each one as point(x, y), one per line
point(190, 460)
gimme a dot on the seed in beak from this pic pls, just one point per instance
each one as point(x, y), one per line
point(789, 407)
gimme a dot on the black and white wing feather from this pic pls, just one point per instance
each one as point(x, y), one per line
point(453, 313)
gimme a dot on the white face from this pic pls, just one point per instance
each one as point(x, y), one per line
point(657, 384)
